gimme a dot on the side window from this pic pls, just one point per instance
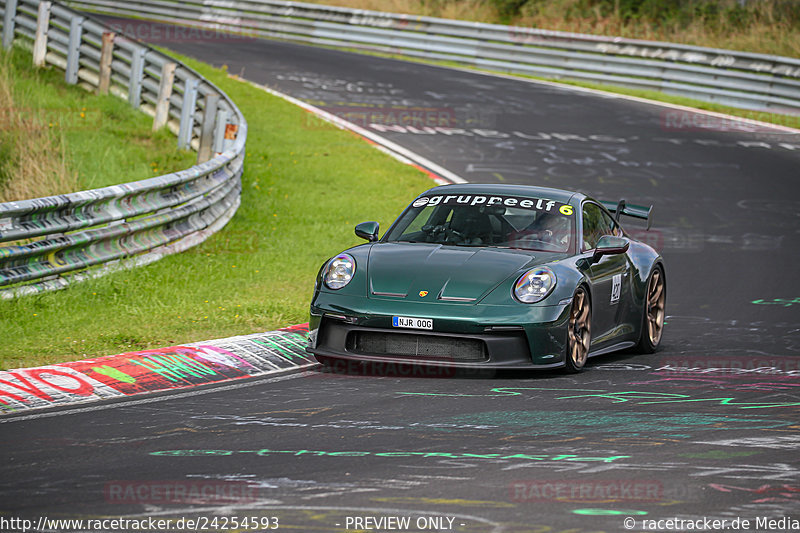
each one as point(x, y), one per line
point(596, 223)
point(610, 226)
point(592, 225)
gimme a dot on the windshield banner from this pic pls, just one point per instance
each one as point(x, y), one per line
point(536, 204)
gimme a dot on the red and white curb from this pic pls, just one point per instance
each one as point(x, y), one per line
point(162, 369)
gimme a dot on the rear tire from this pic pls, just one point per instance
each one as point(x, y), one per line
point(653, 312)
point(579, 331)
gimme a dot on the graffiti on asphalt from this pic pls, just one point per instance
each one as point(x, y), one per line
point(624, 426)
point(426, 455)
point(634, 397)
point(763, 493)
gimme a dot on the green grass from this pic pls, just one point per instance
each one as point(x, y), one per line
point(104, 140)
point(305, 186)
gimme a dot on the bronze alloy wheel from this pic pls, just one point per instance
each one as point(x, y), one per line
point(656, 297)
point(579, 332)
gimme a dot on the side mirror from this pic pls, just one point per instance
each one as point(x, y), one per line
point(368, 231)
point(610, 245)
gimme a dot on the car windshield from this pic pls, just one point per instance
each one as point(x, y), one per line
point(503, 222)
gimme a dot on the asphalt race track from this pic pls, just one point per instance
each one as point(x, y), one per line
point(706, 428)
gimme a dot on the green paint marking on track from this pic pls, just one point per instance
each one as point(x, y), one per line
point(608, 512)
point(114, 373)
point(785, 302)
point(282, 350)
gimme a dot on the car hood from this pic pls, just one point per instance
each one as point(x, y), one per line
point(446, 273)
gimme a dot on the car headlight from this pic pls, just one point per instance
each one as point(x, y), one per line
point(339, 271)
point(534, 285)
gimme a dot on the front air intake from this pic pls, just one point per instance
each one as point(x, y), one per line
point(418, 346)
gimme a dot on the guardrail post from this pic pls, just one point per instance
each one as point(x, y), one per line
point(164, 94)
point(137, 73)
point(219, 131)
point(40, 43)
point(8, 23)
point(207, 128)
point(106, 56)
point(187, 113)
point(74, 50)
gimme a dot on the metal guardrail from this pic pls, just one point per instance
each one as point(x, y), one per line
point(752, 81)
point(46, 243)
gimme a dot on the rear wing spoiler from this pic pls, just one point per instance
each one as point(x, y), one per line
point(636, 211)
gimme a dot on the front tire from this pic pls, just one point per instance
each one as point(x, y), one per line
point(654, 312)
point(579, 331)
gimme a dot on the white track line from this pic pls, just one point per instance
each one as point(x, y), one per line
point(395, 150)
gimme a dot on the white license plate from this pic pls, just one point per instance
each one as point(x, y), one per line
point(413, 323)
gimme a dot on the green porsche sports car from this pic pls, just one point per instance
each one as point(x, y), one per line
point(500, 276)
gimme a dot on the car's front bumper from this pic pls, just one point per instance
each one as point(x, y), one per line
point(464, 334)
